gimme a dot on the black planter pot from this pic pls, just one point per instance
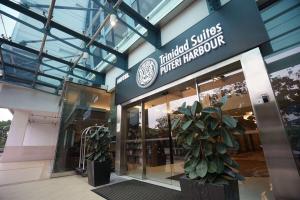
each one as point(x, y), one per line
point(98, 173)
point(195, 190)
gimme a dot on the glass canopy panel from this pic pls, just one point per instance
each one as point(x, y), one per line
point(51, 81)
point(72, 14)
point(54, 72)
point(28, 37)
point(83, 17)
point(55, 47)
point(37, 6)
point(143, 7)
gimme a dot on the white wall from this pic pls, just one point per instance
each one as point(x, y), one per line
point(21, 98)
point(30, 147)
point(17, 128)
point(41, 134)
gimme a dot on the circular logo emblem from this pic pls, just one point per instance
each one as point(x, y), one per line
point(147, 73)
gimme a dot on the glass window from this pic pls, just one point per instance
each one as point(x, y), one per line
point(82, 107)
point(285, 80)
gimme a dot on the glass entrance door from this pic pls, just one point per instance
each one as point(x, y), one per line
point(164, 158)
point(250, 154)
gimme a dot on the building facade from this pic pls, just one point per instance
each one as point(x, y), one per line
point(247, 50)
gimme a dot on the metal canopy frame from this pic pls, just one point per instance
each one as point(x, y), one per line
point(121, 61)
point(152, 35)
point(100, 76)
point(52, 67)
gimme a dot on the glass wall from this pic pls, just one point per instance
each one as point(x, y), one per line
point(285, 80)
point(164, 158)
point(82, 107)
point(134, 151)
point(157, 157)
point(233, 85)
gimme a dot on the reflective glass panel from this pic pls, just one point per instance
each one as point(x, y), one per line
point(82, 107)
point(285, 81)
point(134, 151)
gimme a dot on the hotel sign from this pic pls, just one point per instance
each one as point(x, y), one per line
point(235, 28)
point(197, 46)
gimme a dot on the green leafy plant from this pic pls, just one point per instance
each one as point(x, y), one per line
point(207, 135)
point(98, 145)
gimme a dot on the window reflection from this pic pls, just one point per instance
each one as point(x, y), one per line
point(286, 87)
point(250, 154)
point(134, 143)
point(164, 158)
point(82, 107)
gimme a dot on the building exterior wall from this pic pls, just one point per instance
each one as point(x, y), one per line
point(30, 147)
point(21, 98)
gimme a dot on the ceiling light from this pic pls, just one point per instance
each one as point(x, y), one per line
point(113, 19)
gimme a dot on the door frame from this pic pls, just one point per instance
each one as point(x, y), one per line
point(280, 162)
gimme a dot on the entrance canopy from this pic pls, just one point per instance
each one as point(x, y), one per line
point(54, 41)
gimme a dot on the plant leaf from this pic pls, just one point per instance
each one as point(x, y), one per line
point(213, 133)
point(185, 111)
point(221, 148)
point(196, 151)
point(227, 138)
point(186, 125)
point(224, 100)
point(190, 165)
point(200, 125)
point(209, 110)
point(213, 124)
point(208, 149)
point(97, 156)
point(196, 108)
point(220, 165)
point(212, 167)
point(240, 177)
point(189, 138)
point(201, 168)
point(229, 121)
point(193, 174)
point(175, 123)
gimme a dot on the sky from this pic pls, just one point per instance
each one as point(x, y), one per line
point(8, 23)
point(5, 114)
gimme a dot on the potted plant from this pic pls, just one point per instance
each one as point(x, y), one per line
point(207, 135)
point(98, 157)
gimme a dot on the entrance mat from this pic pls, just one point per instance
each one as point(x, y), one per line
point(137, 190)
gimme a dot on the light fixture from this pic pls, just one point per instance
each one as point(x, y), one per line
point(113, 19)
point(1, 72)
point(247, 114)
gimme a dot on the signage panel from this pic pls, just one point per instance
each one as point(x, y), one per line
point(233, 29)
